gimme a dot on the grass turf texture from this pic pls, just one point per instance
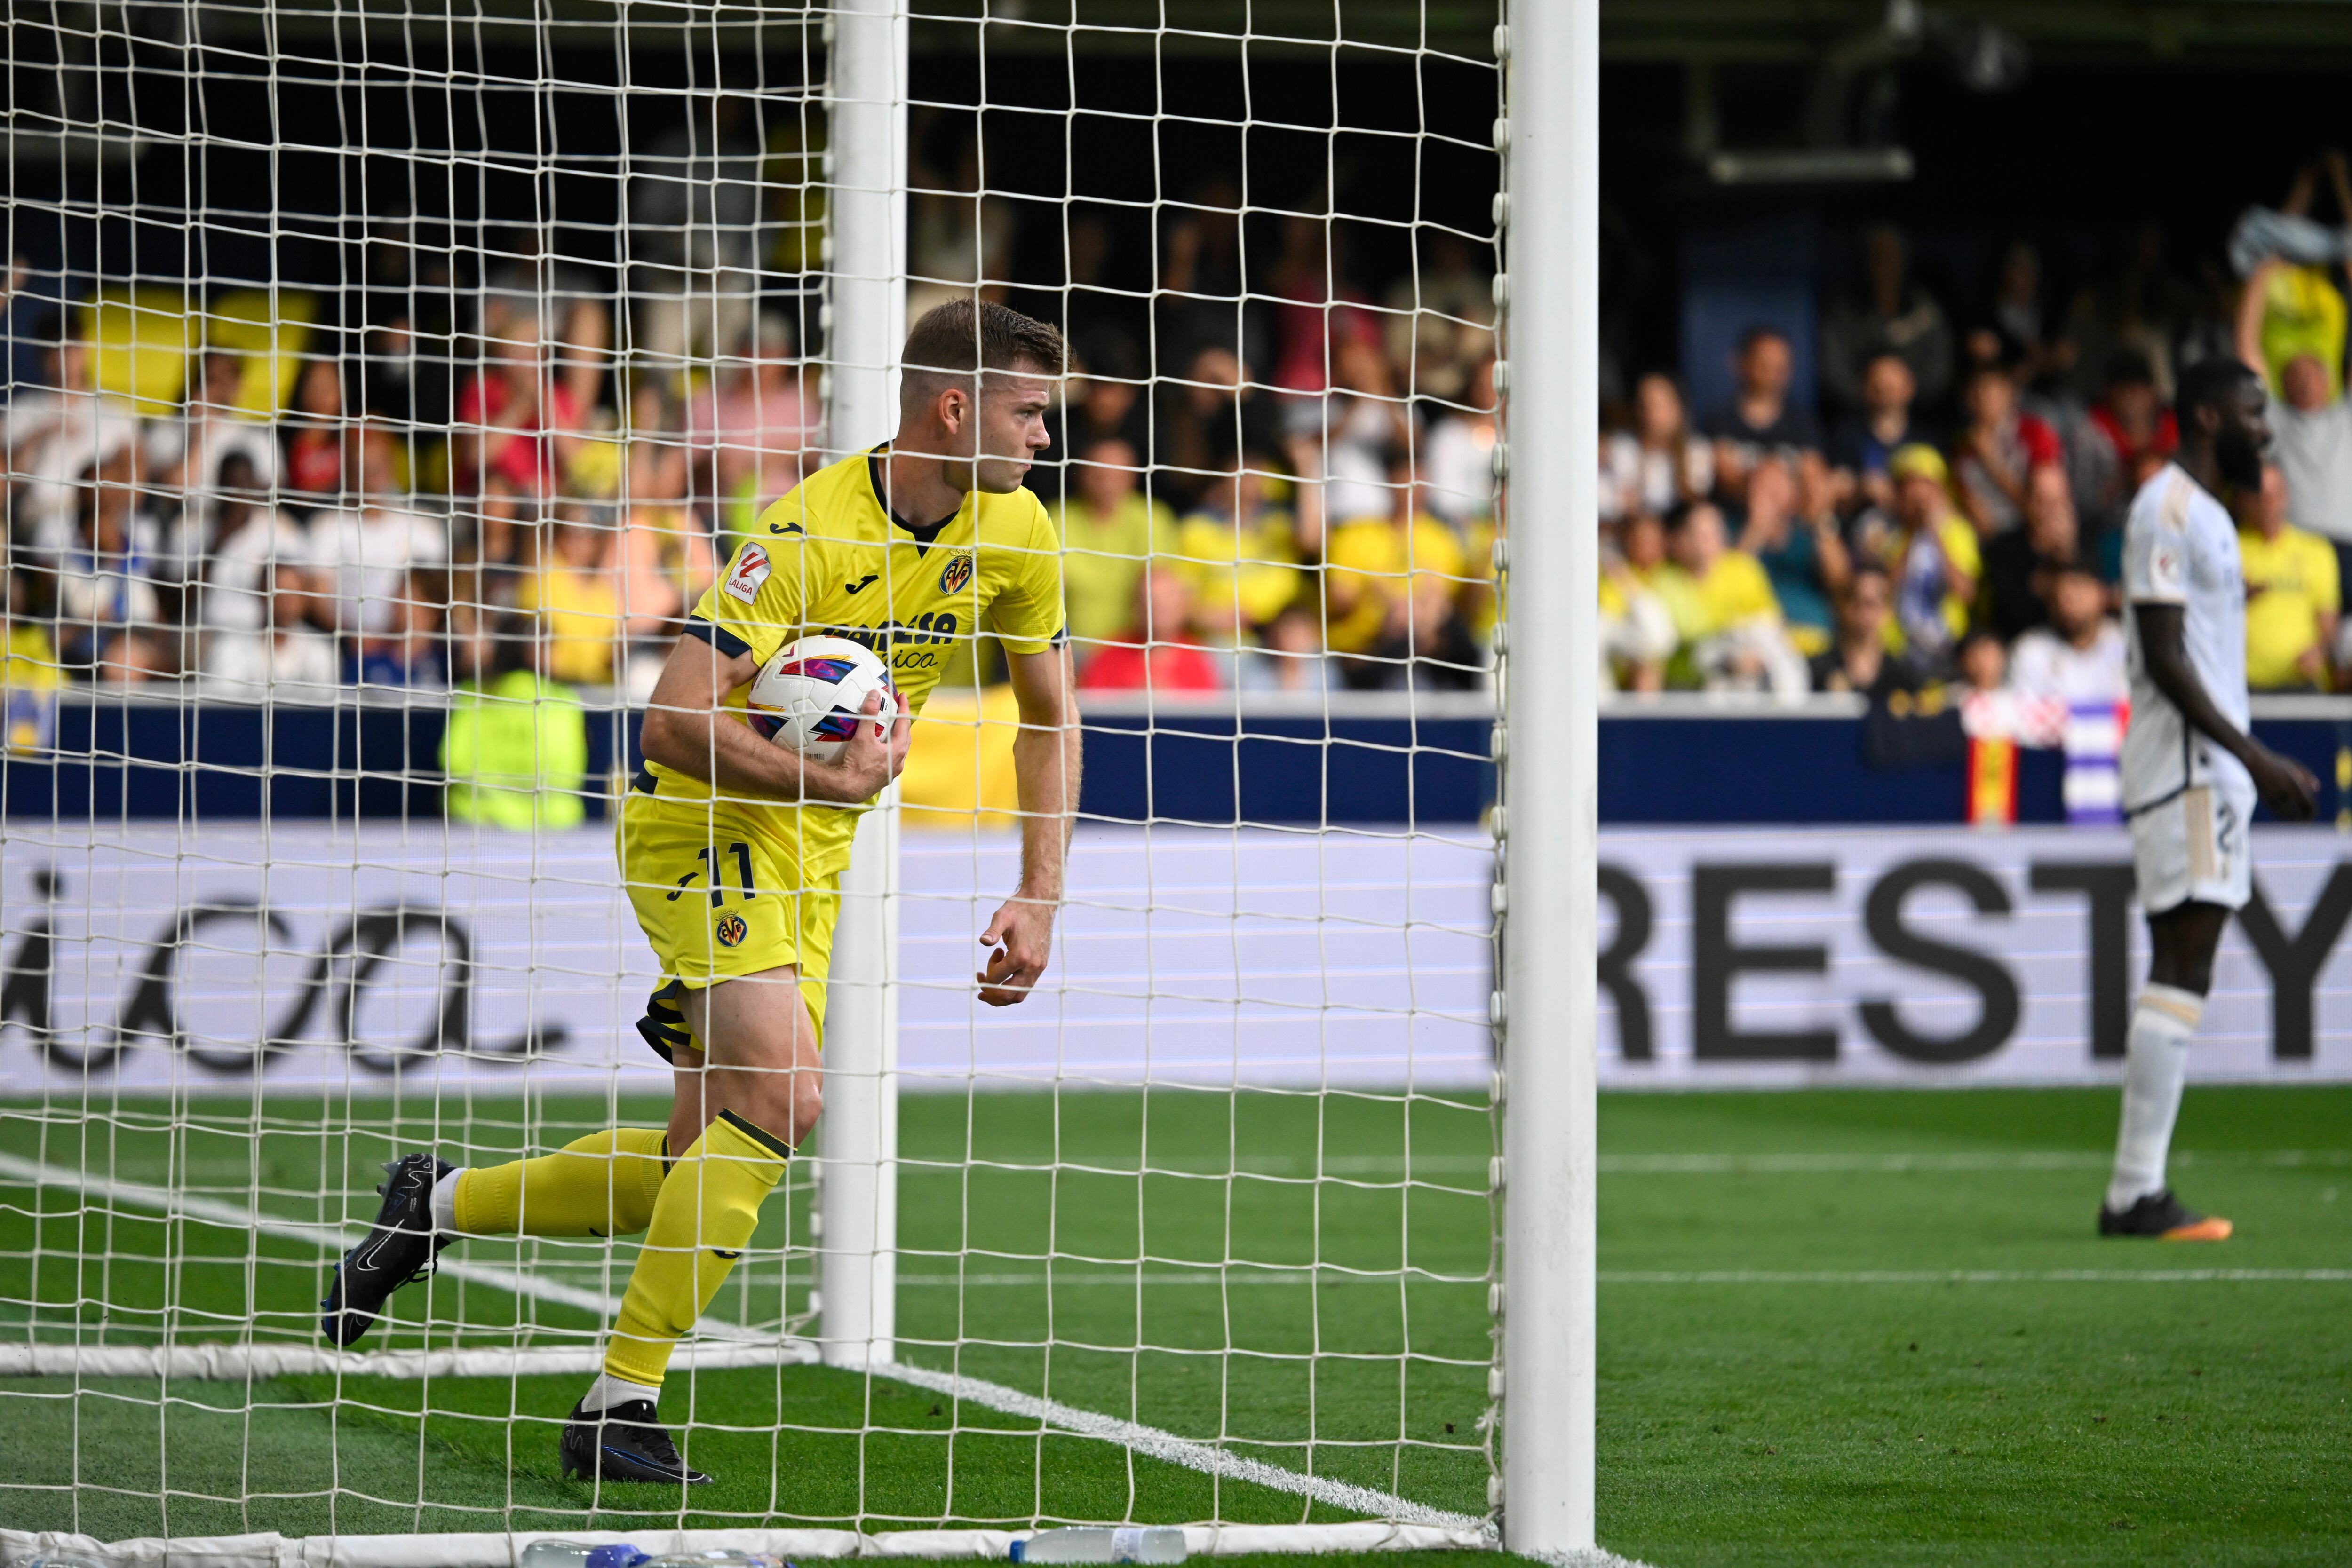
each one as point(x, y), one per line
point(1742, 1421)
point(1378, 1380)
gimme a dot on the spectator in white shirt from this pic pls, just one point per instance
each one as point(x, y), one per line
point(108, 615)
point(288, 660)
point(187, 455)
point(2078, 658)
point(1659, 464)
point(1369, 424)
point(1458, 456)
point(55, 436)
point(249, 539)
point(366, 556)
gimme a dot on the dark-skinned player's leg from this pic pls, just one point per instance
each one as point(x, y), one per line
point(2182, 942)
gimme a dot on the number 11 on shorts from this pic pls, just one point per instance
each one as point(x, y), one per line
point(710, 855)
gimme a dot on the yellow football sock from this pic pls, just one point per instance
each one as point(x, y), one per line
point(702, 1223)
point(601, 1184)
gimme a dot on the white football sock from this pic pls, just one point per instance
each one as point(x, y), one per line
point(2155, 1062)
point(608, 1390)
point(445, 1201)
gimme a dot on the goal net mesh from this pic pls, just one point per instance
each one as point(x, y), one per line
point(386, 387)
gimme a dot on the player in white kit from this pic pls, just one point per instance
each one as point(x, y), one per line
point(2192, 772)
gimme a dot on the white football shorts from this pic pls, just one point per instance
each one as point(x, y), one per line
point(2194, 847)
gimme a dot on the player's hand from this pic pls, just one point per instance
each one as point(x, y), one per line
point(2286, 786)
point(1022, 936)
point(874, 754)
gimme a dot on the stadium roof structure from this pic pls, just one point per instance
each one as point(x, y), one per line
point(2229, 33)
point(2226, 32)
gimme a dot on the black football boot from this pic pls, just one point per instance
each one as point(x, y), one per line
point(400, 1246)
point(623, 1442)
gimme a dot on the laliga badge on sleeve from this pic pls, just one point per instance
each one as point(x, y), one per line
point(752, 570)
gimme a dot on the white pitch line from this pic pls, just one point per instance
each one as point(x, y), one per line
point(1972, 1276)
point(218, 1363)
point(1307, 1167)
point(1657, 1277)
point(1961, 1160)
point(1184, 1451)
point(1243, 1275)
point(212, 1211)
point(1150, 1441)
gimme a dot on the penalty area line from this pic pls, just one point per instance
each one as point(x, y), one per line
point(230, 1362)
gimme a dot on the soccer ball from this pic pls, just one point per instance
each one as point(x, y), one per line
point(808, 696)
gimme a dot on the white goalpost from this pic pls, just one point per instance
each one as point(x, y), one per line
point(1269, 1216)
point(1550, 738)
point(866, 288)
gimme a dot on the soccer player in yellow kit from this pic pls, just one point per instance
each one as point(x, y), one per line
point(733, 850)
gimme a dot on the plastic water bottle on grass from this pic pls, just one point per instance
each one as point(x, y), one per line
point(1127, 1543)
point(580, 1554)
point(716, 1557)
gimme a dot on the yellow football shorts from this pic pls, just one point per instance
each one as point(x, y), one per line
point(720, 896)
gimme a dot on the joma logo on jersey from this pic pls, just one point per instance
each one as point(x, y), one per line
point(936, 627)
point(956, 575)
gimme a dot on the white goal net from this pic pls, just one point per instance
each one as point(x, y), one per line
point(388, 388)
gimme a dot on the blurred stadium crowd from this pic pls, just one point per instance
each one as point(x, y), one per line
point(441, 480)
point(1952, 512)
point(1275, 475)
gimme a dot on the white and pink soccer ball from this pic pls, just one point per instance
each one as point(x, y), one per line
point(808, 696)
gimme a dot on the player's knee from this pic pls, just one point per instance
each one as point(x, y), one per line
point(786, 1103)
point(807, 1104)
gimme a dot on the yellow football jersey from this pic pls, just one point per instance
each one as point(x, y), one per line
point(828, 561)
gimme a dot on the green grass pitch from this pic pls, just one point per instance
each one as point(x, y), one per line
point(1838, 1327)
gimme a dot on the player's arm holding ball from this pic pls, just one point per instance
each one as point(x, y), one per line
point(687, 728)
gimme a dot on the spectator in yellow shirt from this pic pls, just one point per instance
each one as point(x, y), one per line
point(1372, 565)
point(2292, 597)
point(1637, 625)
point(516, 747)
point(29, 677)
point(1108, 530)
point(1726, 612)
point(575, 595)
point(2302, 313)
point(1239, 555)
point(1933, 553)
point(1727, 586)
